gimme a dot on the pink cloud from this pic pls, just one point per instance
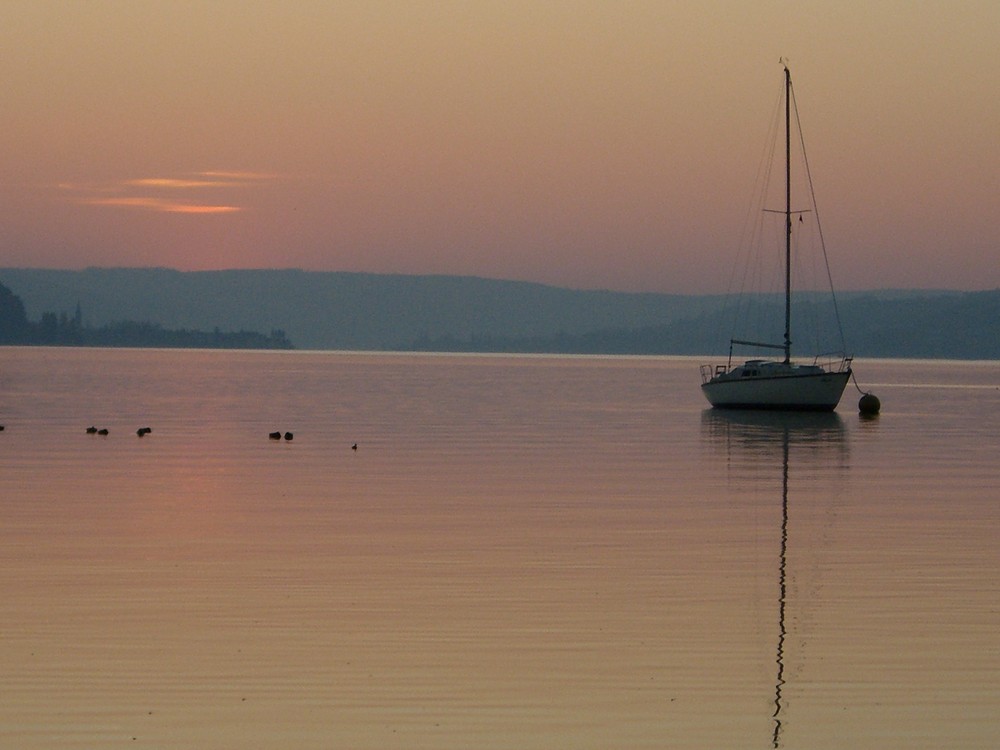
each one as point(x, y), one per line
point(147, 193)
point(158, 204)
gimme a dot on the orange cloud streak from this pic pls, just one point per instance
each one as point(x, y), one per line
point(173, 183)
point(118, 194)
point(157, 204)
point(240, 176)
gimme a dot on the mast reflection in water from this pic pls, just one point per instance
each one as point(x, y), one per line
point(760, 438)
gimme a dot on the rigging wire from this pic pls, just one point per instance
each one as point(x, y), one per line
point(739, 293)
point(819, 225)
point(757, 277)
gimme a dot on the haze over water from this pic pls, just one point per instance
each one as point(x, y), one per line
point(523, 552)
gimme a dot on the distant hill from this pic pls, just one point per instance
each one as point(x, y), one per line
point(61, 329)
point(338, 310)
point(940, 326)
point(329, 310)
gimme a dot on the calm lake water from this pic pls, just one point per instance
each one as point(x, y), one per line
point(523, 552)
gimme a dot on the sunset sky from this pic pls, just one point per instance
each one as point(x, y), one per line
point(584, 144)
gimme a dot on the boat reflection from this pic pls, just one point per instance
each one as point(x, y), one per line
point(767, 438)
point(764, 432)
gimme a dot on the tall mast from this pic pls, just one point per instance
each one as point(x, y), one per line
point(788, 216)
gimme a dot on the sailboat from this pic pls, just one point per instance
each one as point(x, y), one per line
point(779, 384)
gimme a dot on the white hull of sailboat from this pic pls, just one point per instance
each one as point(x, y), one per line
point(814, 391)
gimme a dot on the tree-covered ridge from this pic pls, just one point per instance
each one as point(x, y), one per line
point(64, 330)
point(946, 326)
point(366, 312)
